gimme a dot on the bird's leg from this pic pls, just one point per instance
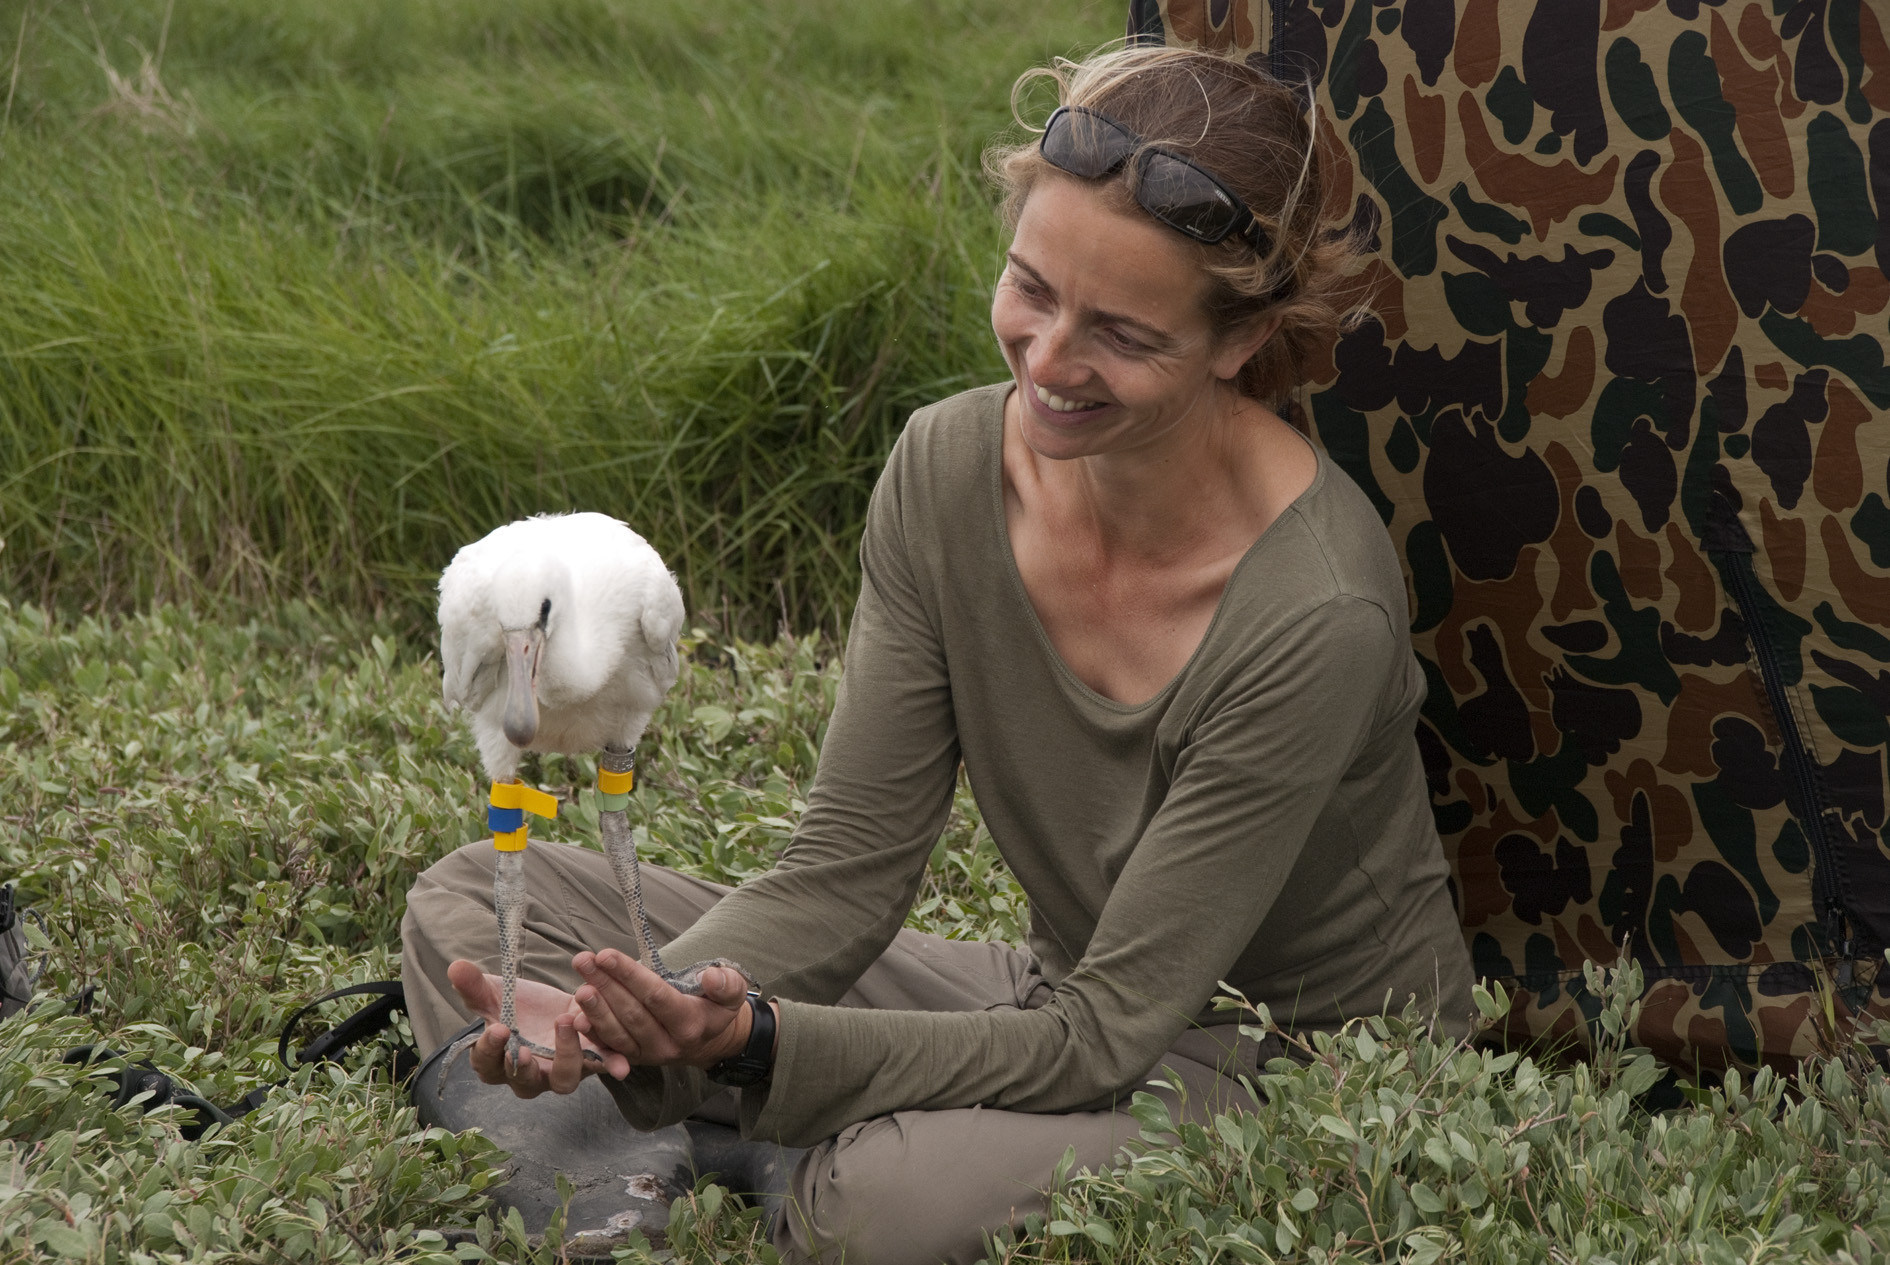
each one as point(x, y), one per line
point(616, 776)
point(508, 903)
point(508, 907)
point(506, 817)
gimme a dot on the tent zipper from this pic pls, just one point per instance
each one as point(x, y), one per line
point(1804, 796)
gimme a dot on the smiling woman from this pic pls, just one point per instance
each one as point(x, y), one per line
point(1167, 642)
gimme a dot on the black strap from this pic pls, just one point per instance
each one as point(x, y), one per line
point(363, 1024)
point(369, 1021)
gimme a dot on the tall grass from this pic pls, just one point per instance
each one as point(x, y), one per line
point(294, 300)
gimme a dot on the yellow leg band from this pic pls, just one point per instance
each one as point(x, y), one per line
point(513, 842)
point(609, 783)
point(529, 798)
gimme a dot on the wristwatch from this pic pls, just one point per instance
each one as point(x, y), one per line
point(756, 1061)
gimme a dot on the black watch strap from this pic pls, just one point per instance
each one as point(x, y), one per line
point(756, 1061)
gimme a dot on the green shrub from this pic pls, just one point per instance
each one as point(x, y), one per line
point(220, 820)
point(1385, 1143)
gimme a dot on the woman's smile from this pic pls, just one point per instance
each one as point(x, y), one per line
point(1058, 404)
point(1059, 410)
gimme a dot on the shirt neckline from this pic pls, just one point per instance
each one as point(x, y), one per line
point(1021, 595)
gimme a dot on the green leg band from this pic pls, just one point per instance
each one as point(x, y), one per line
point(612, 803)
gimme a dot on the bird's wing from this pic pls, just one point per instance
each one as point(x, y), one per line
point(662, 621)
point(463, 617)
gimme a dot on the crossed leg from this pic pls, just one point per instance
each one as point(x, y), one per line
point(913, 1186)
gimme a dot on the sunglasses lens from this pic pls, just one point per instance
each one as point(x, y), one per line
point(1085, 144)
point(1184, 197)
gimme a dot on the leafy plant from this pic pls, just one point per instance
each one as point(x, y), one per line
point(220, 819)
point(1384, 1142)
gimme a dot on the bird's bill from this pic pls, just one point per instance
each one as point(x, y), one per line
point(522, 649)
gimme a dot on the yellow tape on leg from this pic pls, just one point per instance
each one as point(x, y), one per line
point(509, 802)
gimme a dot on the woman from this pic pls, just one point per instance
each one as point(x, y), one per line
point(1168, 642)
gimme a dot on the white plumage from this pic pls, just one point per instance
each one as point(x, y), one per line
point(558, 633)
point(561, 629)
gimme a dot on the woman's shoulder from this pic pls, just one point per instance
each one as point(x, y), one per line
point(941, 462)
point(954, 433)
point(1329, 547)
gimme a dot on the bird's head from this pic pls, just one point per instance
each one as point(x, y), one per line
point(530, 600)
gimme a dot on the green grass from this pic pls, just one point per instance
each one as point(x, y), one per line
point(1389, 1145)
point(299, 298)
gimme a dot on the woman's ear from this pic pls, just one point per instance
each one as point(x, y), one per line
point(1238, 348)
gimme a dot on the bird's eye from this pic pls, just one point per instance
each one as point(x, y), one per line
point(544, 612)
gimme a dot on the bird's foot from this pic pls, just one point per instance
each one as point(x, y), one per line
point(688, 981)
point(512, 1048)
point(517, 1043)
point(453, 1052)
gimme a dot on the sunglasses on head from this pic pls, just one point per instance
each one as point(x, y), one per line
point(1181, 194)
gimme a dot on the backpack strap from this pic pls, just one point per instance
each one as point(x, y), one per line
point(369, 1021)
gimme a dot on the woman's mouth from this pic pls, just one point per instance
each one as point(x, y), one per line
point(1057, 404)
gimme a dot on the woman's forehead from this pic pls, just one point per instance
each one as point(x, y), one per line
point(1079, 242)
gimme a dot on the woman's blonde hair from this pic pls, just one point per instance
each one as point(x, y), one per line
point(1251, 131)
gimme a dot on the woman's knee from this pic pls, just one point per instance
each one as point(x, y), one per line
point(928, 1186)
point(445, 888)
point(469, 864)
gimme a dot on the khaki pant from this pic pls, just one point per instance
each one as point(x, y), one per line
point(913, 1186)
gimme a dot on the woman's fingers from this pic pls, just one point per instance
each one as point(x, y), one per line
point(568, 1064)
point(474, 987)
point(616, 1014)
point(723, 986)
point(490, 1060)
point(629, 1007)
point(631, 1015)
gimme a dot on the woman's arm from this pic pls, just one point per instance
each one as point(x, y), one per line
point(1253, 779)
point(811, 926)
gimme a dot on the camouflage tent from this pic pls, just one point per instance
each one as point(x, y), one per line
point(1623, 409)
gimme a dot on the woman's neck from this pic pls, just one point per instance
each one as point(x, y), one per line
point(1200, 484)
point(1124, 556)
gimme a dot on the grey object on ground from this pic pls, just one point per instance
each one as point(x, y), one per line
point(623, 1179)
point(19, 972)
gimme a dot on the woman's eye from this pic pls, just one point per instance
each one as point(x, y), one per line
point(1125, 343)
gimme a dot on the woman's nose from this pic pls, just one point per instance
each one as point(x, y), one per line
point(1054, 359)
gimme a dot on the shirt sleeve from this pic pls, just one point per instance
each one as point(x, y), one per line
point(809, 928)
point(1248, 785)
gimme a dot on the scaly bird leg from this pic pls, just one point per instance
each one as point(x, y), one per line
point(508, 903)
point(506, 817)
point(616, 776)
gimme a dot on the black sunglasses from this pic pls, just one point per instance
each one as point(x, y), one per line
point(1181, 194)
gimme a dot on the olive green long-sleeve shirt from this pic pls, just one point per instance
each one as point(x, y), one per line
point(1262, 820)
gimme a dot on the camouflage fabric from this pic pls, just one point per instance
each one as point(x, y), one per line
point(1622, 405)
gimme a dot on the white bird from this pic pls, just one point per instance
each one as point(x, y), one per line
point(558, 634)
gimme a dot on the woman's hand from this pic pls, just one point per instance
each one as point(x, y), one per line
point(546, 1015)
point(626, 1007)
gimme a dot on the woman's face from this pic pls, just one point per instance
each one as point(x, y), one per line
point(1101, 317)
